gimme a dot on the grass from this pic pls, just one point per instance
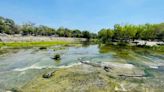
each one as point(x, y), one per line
point(32, 44)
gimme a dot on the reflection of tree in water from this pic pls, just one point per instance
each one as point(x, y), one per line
point(123, 54)
point(142, 52)
point(86, 43)
point(119, 51)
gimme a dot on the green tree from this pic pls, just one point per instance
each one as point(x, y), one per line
point(129, 32)
point(106, 35)
point(86, 35)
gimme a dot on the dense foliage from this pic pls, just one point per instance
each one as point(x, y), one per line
point(131, 32)
point(8, 26)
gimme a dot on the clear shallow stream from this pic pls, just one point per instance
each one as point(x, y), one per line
point(17, 68)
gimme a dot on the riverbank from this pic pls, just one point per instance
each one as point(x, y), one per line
point(32, 44)
point(19, 38)
point(16, 41)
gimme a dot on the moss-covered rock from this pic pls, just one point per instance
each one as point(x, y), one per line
point(47, 75)
point(57, 57)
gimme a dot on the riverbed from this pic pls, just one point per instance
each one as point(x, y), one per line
point(22, 69)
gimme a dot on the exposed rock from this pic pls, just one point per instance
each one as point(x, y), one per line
point(123, 75)
point(92, 64)
point(48, 75)
point(107, 69)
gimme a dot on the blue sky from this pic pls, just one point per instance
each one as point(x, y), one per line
point(89, 15)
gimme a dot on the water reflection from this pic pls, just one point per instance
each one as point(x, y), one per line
point(86, 44)
point(119, 52)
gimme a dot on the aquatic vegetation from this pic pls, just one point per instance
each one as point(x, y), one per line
point(42, 48)
point(33, 44)
point(74, 78)
point(149, 72)
point(2, 51)
point(57, 57)
point(58, 48)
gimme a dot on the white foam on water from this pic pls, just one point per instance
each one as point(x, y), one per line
point(42, 67)
point(154, 67)
point(30, 67)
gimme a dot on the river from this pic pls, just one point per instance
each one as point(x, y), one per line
point(21, 66)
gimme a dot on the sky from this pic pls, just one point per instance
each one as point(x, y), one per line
point(91, 15)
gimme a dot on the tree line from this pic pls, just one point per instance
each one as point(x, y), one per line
point(129, 32)
point(119, 33)
point(8, 26)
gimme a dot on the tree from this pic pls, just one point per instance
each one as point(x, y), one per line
point(27, 29)
point(129, 32)
point(149, 32)
point(93, 35)
point(118, 32)
point(106, 35)
point(86, 34)
point(76, 33)
point(60, 32)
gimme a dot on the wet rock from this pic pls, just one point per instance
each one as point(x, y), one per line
point(107, 69)
point(92, 64)
point(123, 75)
point(47, 75)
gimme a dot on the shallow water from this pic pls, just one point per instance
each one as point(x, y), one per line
point(17, 68)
